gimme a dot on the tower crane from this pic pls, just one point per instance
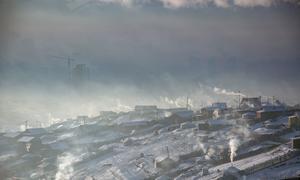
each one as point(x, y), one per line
point(69, 61)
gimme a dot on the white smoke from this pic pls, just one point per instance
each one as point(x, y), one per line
point(233, 145)
point(22, 127)
point(120, 107)
point(227, 92)
point(174, 4)
point(254, 3)
point(176, 102)
point(65, 166)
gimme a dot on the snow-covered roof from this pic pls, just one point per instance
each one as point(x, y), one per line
point(25, 139)
point(48, 139)
point(59, 146)
point(184, 114)
point(265, 131)
point(218, 122)
point(134, 123)
point(271, 108)
point(145, 108)
point(129, 118)
point(12, 134)
point(219, 105)
point(36, 131)
point(187, 125)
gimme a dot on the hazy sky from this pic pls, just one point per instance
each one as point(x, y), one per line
point(145, 51)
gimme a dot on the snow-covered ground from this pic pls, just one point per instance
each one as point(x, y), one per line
point(128, 146)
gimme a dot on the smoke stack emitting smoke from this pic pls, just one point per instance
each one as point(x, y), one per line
point(233, 145)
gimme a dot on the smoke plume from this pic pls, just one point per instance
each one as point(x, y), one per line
point(233, 145)
point(174, 4)
point(227, 92)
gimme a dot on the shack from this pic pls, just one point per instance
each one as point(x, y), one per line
point(164, 162)
point(29, 144)
point(35, 132)
point(296, 143)
point(294, 122)
point(266, 114)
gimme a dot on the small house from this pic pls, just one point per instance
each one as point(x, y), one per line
point(35, 132)
point(270, 113)
point(164, 163)
point(248, 103)
point(145, 109)
point(296, 143)
point(29, 144)
point(294, 122)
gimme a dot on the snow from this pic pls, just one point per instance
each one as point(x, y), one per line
point(12, 134)
point(110, 151)
point(35, 131)
point(25, 139)
point(257, 159)
point(215, 122)
point(264, 131)
point(290, 168)
point(59, 146)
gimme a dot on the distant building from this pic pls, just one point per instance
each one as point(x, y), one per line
point(108, 113)
point(59, 146)
point(142, 109)
point(296, 143)
point(82, 118)
point(251, 103)
point(270, 112)
point(294, 122)
point(29, 144)
point(216, 109)
point(219, 105)
point(174, 110)
point(232, 173)
point(180, 116)
point(36, 132)
point(164, 162)
point(249, 116)
point(203, 126)
point(12, 135)
point(80, 74)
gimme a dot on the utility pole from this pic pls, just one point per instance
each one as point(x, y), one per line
point(26, 125)
point(239, 99)
point(69, 68)
point(168, 153)
point(187, 102)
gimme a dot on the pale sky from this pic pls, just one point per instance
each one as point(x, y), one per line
point(143, 50)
